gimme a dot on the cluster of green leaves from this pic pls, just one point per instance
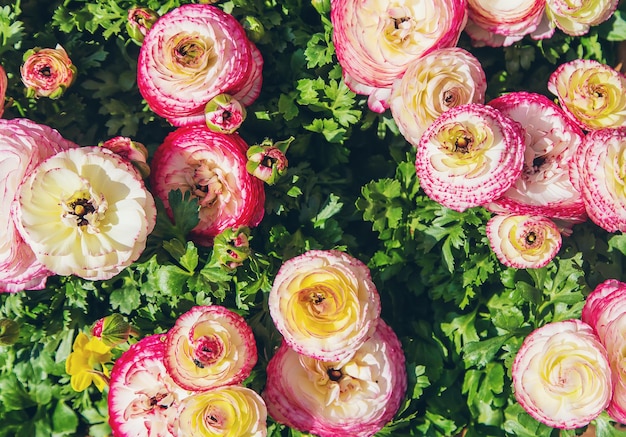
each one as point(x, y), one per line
point(351, 185)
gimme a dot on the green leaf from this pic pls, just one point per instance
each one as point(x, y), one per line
point(480, 353)
point(64, 419)
point(125, 299)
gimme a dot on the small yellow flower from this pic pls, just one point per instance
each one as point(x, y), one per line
point(85, 364)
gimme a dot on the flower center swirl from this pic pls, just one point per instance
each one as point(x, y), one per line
point(84, 209)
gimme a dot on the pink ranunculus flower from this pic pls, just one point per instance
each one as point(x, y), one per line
point(85, 212)
point(576, 17)
point(523, 241)
point(23, 146)
point(4, 83)
point(130, 150)
point(376, 40)
point(561, 375)
point(605, 311)
point(212, 166)
point(192, 54)
point(224, 411)
point(592, 94)
point(544, 187)
point(432, 84)
point(210, 346)
point(352, 397)
point(600, 171)
point(324, 303)
point(503, 23)
point(143, 398)
point(47, 72)
point(469, 156)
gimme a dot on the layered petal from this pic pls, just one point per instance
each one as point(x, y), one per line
point(600, 169)
point(85, 212)
point(576, 17)
point(544, 186)
point(561, 375)
point(376, 40)
point(352, 397)
point(192, 54)
point(47, 72)
point(605, 311)
point(470, 156)
point(212, 166)
point(224, 411)
point(143, 399)
point(592, 94)
point(324, 303)
point(432, 84)
point(523, 241)
point(510, 20)
point(210, 346)
point(23, 146)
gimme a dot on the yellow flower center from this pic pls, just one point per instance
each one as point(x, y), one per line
point(399, 27)
point(190, 51)
point(84, 209)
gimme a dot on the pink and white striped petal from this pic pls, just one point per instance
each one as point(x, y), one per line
point(561, 375)
point(600, 170)
point(353, 397)
point(143, 399)
point(469, 156)
point(210, 346)
point(544, 186)
point(523, 241)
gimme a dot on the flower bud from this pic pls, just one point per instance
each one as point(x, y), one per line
point(231, 247)
point(140, 20)
point(47, 72)
point(112, 330)
point(224, 114)
point(267, 161)
point(253, 27)
point(9, 332)
point(130, 150)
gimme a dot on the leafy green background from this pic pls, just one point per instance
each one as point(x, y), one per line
point(351, 185)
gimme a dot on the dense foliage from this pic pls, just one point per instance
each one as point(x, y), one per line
point(351, 185)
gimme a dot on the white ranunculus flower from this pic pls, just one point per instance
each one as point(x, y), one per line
point(85, 212)
point(561, 375)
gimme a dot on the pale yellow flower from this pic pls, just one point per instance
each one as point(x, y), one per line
point(229, 411)
point(591, 93)
point(85, 212)
point(324, 303)
point(576, 17)
point(561, 375)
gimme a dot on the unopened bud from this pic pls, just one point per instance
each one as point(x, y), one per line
point(130, 150)
point(253, 27)
point(231, 247)
point(112, 330)
point(224, 114)
point(140, 20)
point(267, 161)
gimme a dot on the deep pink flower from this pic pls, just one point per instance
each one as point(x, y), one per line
point(470, 156)
point(354, 397)
point(523, 241)
point(544, 187)
point(4, 83)
point(599, 169)
point(432, 84)
point(375, 41)
point(23, 146)
point(324, 303)
point(192, 54)
point(503, 23)
point(210, 346)
point(605, 311)
point(561, 375)
point(47, 72)
point(212, 166)
point(143, 399)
